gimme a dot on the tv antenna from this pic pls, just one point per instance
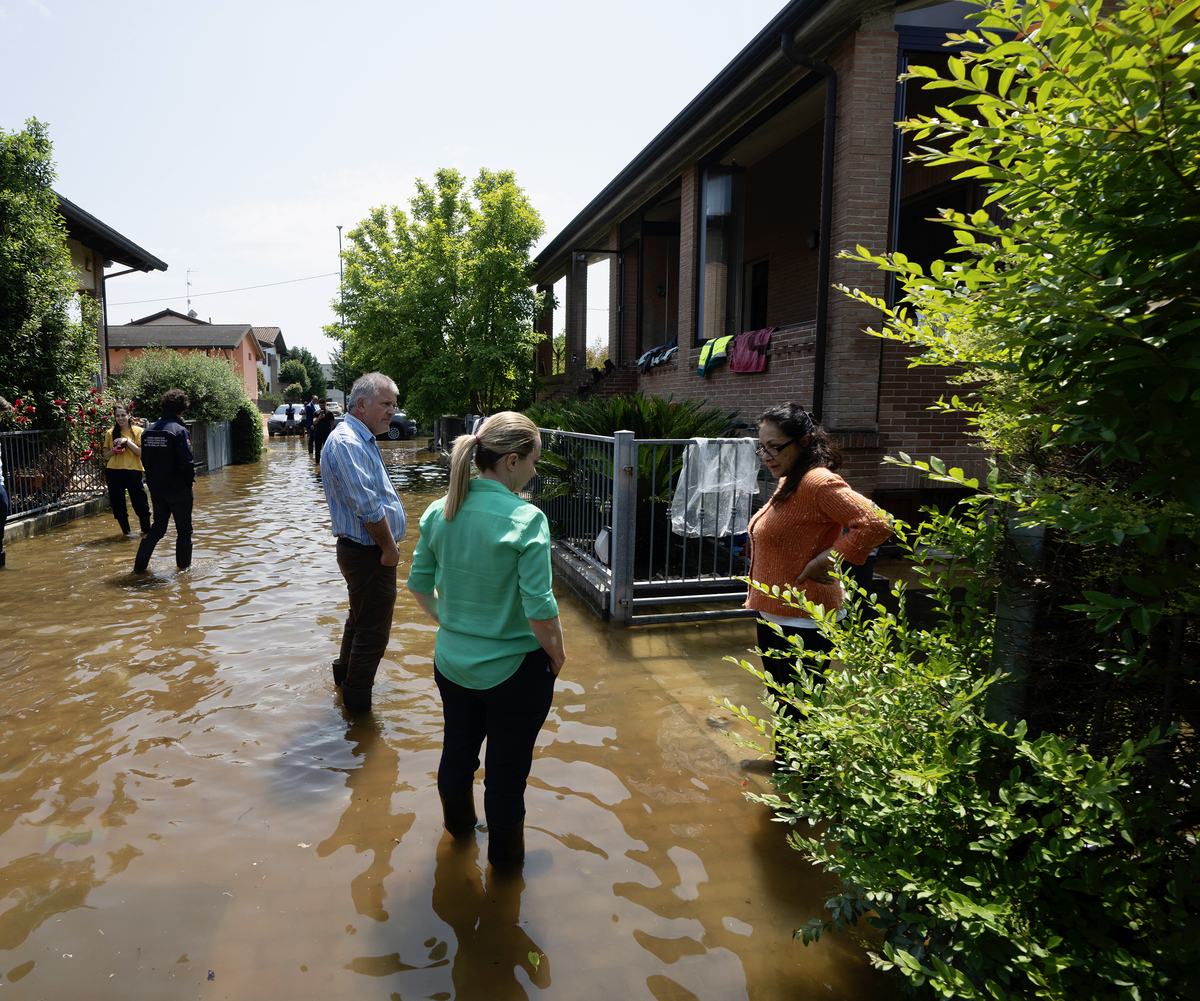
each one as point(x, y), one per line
point(190, 272)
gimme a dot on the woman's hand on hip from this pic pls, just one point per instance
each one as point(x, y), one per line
point(818, 570)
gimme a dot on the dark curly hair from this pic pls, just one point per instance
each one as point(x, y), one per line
point(175, 401)
point(819, 450)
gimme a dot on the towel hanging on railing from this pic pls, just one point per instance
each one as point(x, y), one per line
point(712, 497)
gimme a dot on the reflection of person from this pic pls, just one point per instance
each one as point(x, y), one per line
point(123, 450)
point(4, 506)
point(794, 538)
point(481, 570)
point(310, 415)
point(368, 519)
point(167, 459)
point(484, 909)
point(322, 428)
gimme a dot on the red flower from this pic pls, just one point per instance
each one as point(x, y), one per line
point(95, 392)
point(60, 403)
point(16, 403)
point(71, 420)
point(91, 410)
point(23, 420)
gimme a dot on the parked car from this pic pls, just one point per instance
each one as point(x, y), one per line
point(401, 427)
point(277, 423)
point(334, 408)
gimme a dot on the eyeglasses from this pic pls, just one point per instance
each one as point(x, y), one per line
point(772, 450)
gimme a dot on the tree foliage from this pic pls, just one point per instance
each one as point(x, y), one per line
point(1014, 795)
point(293, 373)
point(214, 387)
point(48, 352)
point(246, 434)
point(439, 299)
point(343, 367)
point(315, 380)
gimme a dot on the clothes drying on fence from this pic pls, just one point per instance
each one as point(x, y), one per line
point(749, 352)
point(712, 497)
point(713, 353)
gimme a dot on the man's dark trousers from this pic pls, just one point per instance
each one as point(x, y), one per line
point(166, 506)
point(372, 588)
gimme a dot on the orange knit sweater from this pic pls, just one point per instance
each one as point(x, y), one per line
point(783, 539)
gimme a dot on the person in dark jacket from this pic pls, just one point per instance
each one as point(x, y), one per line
point(322, 426)
point(310, 417)
point(167, 458)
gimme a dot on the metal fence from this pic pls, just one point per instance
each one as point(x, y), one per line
point(43, 472)
point(664, 526)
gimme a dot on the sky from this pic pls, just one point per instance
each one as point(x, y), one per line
point(231, 138)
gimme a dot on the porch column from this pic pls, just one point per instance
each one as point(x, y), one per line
point(866, 69)
point(576, 317)
point(689, 250)
point(544, 325)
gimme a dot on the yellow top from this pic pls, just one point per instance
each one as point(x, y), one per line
point(126, 459)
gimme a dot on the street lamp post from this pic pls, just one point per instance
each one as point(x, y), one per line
point(342, 313)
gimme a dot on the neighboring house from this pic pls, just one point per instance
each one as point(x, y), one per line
point(180, 332)
point(270, 339)
point(94, 247)
point(333, 392)
point(716, 228)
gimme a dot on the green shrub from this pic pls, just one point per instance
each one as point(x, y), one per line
point(293, 393)
point(247, 434)
point(292, 372)
point(645, 416)
point(996, 865)
point(214, 387)
point(270, 400)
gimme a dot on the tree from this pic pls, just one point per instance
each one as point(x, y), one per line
point(343, 368)
point(292, 372)
point(440, 301)
point(262, 381)
point(48, 353)
point(315, 383)
point(1011, 792)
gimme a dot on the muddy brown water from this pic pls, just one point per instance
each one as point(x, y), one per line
point(187, 812)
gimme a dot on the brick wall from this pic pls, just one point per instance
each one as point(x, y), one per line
point(689, 245)
point(866, 69)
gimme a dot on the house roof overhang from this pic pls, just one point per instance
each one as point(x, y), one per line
point(223, 336)
point(98, 236)
point(753, 79)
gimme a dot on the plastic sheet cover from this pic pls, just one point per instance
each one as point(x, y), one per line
point(718, 479)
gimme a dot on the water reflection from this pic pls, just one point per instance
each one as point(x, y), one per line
point(181, 793)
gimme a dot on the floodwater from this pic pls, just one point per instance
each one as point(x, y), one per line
point(187, 812)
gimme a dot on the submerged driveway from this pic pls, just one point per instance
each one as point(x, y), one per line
point(186, 811)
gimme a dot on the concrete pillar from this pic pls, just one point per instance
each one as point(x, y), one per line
point(866, 67)
point(614, 295)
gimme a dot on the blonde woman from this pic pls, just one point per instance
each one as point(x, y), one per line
point(481, 571)
point(123, 450)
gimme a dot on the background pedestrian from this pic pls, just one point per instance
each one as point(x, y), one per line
point(170, 473)
point(322, 427)
point(123, 450)
point(310, 417)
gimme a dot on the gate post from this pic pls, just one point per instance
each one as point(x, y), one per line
point(624, 520)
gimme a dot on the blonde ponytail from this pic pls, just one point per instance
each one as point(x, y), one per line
point(501, 434)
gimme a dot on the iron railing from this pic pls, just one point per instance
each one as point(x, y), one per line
point(660, 530)
point(43, 472)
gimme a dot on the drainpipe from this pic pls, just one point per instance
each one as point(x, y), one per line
point(826, 238)
point(104, 313)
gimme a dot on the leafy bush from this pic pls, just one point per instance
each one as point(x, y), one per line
point(645, 416)
point(247, 434)
point(270, 400)
point(293, 393)
point(996, 865)
point(214, 387)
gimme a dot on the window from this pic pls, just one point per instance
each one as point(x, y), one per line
point(721, 198)
point(754, 307)
point(658, 272)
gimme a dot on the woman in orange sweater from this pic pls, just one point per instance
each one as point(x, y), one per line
point(794, 538)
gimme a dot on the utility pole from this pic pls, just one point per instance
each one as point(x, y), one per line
point(342, 313)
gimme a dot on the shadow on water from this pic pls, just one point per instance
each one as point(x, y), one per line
point(185, 807)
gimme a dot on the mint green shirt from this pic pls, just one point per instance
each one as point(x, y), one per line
point(491, 569)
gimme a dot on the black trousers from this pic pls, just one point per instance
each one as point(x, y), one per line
point(310, 431)
point(783, 667)
point(509, 716)
point(4, 509)
point(120, 481)
point(166, 507)
point(372, 588)
point(318, 444)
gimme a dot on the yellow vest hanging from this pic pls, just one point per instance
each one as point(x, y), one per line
point(713, 353)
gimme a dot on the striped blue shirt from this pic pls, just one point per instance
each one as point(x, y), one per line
point(357, 486)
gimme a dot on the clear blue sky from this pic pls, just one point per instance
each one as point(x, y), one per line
point(232, 137)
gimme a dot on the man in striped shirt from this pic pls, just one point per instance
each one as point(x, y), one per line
point(368, 520)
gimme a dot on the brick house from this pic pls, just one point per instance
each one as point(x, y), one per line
point(179, 332)
point(716, 228)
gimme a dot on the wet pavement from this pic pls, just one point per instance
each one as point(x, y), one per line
point(187, 812)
